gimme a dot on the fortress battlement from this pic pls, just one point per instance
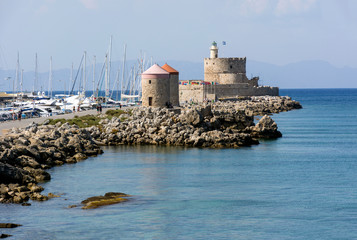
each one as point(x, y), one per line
point(226, 77)
point(230, 59)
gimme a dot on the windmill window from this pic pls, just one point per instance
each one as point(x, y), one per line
point(149, 81)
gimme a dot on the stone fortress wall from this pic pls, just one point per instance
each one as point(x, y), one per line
point(189, 93)
point(197, 93)
point(225, 70)
point(226, 78)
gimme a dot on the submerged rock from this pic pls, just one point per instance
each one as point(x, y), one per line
point(3, 235)
point(52, 195)
point(108, 199)
point(9, 225)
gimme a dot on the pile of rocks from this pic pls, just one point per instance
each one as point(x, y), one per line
point(25, 154)
point(260, 105)
point(199, 126)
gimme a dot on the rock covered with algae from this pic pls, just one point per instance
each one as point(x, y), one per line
point(108, 199)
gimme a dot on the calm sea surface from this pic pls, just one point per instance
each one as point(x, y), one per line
point(301, 186)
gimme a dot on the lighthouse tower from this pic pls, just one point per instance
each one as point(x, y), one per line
point(214, 50)
point(155, 87)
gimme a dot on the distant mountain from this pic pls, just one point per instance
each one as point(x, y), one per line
point(305, 74)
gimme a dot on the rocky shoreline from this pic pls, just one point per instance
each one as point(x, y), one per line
point(27, 153)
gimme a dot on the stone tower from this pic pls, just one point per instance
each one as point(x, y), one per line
point(224, 70)
point(155, 87)
point(214, 50)
point(174, 84)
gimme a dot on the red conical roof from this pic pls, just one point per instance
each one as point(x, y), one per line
point(155, 71)
point(170, 69)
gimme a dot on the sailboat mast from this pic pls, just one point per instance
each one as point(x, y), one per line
point(106, 78)
point(71, 75)
point(35, 80)
point(17, 72)
point(93, 74)
point(50, 79)
point(117, 83)
point(109, 66)
point(22, 80)
point(84, 73)
point(132, 82)
point(123, 72)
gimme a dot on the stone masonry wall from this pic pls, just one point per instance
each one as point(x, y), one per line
point(157, 89)
point(213, 67)
point(234, 90)
point(198, 93)
point(189, 93)
point(174, 91)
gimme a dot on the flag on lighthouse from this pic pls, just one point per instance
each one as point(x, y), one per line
point(224, 43)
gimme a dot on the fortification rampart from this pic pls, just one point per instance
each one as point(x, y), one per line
point(225, 70)
point(234, 90)
point(230, 74)
point(189, 93)
point(198, 93)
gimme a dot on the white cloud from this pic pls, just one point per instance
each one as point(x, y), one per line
point(90, 4)
point(284, 7)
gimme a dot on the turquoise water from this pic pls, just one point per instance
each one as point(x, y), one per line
point(301, 186)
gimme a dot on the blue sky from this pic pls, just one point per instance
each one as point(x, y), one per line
point(273, 31)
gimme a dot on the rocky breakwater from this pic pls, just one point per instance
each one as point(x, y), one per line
point(199, 126)
point(25, 154)
point(260, 105)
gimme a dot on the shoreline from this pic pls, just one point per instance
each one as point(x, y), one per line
point(26, 153)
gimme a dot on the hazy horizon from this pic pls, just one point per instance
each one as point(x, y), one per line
point(277, 32)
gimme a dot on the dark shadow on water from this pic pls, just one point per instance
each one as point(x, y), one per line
point(146, 149)
point(157, 149)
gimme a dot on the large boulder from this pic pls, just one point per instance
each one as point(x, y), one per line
point(39, 175)
point(191, 117)
point(266, 128)
point(11, 174)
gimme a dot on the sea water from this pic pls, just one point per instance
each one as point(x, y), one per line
point(301, 186)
